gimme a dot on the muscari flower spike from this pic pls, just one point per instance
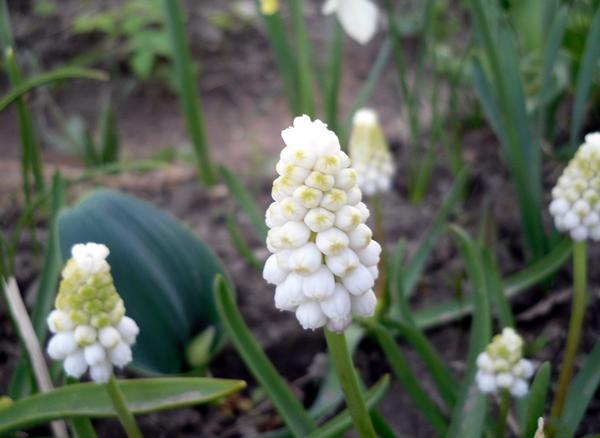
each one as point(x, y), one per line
point(324, 261)
point(575, 202)
point(370, 153)
point(501, 365)
point(89, 323)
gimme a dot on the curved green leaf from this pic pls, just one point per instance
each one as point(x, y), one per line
point(161, 269)
point(342, 422)
point(514, 285)
point(46, 78)
point(536, 401)
point(469, 413)
point(91, 400)
point(291, 410)
point(582, 390)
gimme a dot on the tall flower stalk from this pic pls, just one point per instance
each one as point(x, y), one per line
point(324, 261)
point(576, 210)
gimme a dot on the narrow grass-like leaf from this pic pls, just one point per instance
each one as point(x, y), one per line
point(46, 78)
point(109, 136)
point(334, 77)
point(290, 409)
point(286, 62)
point(188, 92)
point(409, 381)
point(244, 198)
point(305, 78)
point(487, 99)
point(494, 285)
point(445, 382)
point(91, 400)
point(367, 88)
point(240, 243)
point(342, 422)
point(582, 390)
point(536, 400)
point(412, 272)
point(513, 286)
point(469, 414)
point(585, 77)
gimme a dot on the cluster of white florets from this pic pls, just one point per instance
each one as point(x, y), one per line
point(324, 261)
point(576, 198)
point(89, 323)
point(502, 367)
point(370, 153)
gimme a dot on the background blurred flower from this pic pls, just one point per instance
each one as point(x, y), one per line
point(358, 17)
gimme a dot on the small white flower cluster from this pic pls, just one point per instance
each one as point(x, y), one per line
point(370, 153)
point(324, 261)
point(576, 198)
point(501, 365)
point(89, 323)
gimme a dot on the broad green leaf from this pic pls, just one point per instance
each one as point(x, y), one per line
point(582, 390)
point(143, 396)
point(244, 198)
point(412, 273)
point(513, 286)
point(585, 77)
point(45, 78)
point(535, 401)
point(291, 410)
point(342, 422)
point(409, 381)
point(469, 413)
point(161, 269)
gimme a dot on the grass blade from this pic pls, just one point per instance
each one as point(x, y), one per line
point(513, 286)
point(585, 77)
point(188, 92)
point(40, 80)
point(305, 85)
point(240, 243)
point(335, 78)
point(342, 422)
point(290, 409)
point(409, 381)
point(91, 400)
point(469, 414)
point(244, 198)
point(582, 390)
point(536, 400)
point(109, 136)
point(412, 273)
point(494, 285)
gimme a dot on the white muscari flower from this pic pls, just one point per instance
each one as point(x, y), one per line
point(89, 324)
point(370, 153)
point(324, 261)
point(357, 17)
point(575, 202)
point(502, 366)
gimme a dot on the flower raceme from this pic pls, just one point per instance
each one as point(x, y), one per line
point(575, 202)
point(324, 261)
point(501, 365)
point(370, 153)
point(89, 323)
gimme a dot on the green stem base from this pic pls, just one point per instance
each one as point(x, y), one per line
point(125, 416)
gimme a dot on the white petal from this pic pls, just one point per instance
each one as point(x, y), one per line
point(109, 337)
point(358, 18)
point(364, 305)
point(120, 355)
point(75, 364)
point(310, 316)
point(61, 345)
point(128, 329)
point(94, 354)
point(100, 373)
point(358, 281)
point(272, 271)
point(319, 285)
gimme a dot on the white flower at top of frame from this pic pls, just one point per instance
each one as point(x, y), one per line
point(90, 257)
point(358, 17)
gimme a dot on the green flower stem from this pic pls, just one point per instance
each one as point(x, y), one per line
point(346, 373)
point(503, 414)
point(574, 334)
point(125, 416)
